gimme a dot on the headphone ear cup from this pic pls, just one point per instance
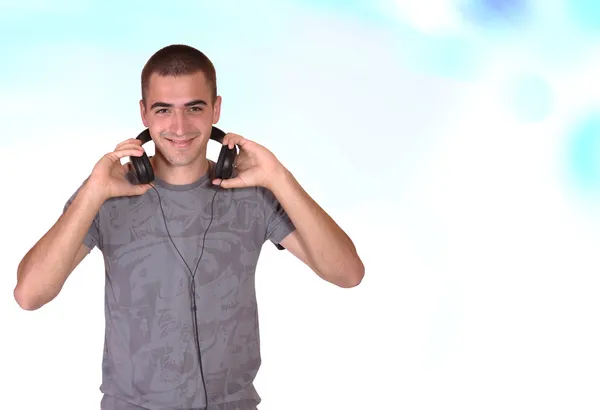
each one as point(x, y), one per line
point(142, 168)
point(224, 167)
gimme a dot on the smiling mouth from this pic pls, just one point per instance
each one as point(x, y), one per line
point(180, 143)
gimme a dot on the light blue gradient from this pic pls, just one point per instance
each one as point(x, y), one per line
point(584, 154)
point(362, 11)
point(585, 14)
point(450, 57)
point(531, 96)
point(85, 57)
point(497, 14)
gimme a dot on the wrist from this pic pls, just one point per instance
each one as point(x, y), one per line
point(280, 179)
point(93, 193)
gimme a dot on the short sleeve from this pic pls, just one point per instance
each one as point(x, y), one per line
point(278, 223)
point(92, 236)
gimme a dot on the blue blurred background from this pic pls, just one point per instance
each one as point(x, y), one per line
point(457, 141)
point(528, 51)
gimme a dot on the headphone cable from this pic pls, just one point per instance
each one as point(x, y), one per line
point(194, 307)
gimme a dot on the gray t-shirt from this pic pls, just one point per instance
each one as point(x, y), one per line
point(150, 359)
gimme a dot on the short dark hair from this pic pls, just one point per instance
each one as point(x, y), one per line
point(176, 60)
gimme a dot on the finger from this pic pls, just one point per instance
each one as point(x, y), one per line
point(231, 139)
point(129, 146)
point(236, 182)
point(135, 190)
point(142, 188)
point(242, 161)
point(127, 167)
point(117, 155)
point(128, 141)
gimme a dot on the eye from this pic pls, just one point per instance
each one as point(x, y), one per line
point(161, 111)
point(196, 109)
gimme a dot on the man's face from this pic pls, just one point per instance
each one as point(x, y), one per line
point(179, 113)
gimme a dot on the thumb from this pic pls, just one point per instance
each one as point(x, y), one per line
point(236, 182)
point(141, 189)
point(146, 187)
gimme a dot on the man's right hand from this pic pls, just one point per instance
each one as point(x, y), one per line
point(108, 177)
point(43, 271)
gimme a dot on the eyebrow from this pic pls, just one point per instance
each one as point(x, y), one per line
point(187, 104)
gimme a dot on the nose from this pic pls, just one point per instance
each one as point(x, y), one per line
point(178, 123)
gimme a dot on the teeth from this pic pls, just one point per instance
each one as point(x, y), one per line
point(183, 143)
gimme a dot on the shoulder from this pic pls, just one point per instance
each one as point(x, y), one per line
point(259, 197)
point(126, 211)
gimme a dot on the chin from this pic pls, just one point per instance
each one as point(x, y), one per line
point(182, 159)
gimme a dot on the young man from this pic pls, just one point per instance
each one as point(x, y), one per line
point(156, 237)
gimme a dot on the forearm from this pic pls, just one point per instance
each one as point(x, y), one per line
point(45, 268)
point(330, 252)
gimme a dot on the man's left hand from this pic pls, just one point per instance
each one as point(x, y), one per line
point(255, 164)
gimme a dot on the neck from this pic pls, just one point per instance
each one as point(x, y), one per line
point(179, 175)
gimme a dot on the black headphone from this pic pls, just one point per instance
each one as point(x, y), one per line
point(223, 170)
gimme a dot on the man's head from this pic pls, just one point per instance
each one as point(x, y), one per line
point(179, 103)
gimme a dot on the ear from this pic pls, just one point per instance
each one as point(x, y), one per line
point(143, 114)
point(217, 110)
